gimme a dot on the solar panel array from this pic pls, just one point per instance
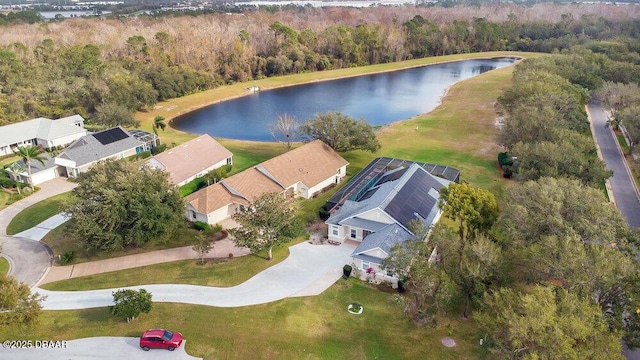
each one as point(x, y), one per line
point(110, 136)
point(413, 198)
point(359, 183)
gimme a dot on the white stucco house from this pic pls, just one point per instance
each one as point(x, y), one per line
point(376, 214)
point(302, 172)
point(40, 172)
point(114, 143)
point(41, 132)
point(193, 159)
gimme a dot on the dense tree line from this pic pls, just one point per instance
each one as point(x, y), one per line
point(545, 126)
point(114, 67)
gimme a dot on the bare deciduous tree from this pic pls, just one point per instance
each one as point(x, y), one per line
point(285, 130)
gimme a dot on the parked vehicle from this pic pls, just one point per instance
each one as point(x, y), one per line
point(160, 339)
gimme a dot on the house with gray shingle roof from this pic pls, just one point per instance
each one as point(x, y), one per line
point(40, 172)
point(379, 215)
point(42, 132)
point(114, 143)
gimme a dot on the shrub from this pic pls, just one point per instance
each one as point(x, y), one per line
point(68, 257)
point(324, 213)
point(346, 271)
point(201, 226)
point(507, 171)
point(230, 255)
point(505, 159)
point(7, 182)
point(210, 230)
point(158, 149)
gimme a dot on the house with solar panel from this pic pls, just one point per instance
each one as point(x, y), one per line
point(115, 143)
point(375, 209)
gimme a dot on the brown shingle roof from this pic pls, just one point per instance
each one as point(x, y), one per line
point(311, 164)
point(192, 157)
point(211, 198)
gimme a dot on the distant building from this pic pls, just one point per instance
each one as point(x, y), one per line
point(42, 132)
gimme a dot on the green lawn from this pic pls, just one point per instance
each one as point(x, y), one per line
point(37, 213)
point(4, 266)
point(4, 199)
point(219, 272)
point(316, 327)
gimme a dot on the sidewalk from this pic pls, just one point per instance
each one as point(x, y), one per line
point(222, 249)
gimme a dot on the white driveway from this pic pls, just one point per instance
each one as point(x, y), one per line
point(309, 270)
point(105, 347)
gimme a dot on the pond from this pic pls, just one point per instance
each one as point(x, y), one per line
point(381, 99)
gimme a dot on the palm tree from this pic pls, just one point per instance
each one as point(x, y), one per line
point(29, 153)
point(158, 123)
point(15, 170)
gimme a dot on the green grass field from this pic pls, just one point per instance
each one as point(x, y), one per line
point(4, 266)
point(218, 272)
point(317, 327)
point(37, 213)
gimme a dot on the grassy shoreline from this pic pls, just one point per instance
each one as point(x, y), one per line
point(173, 108)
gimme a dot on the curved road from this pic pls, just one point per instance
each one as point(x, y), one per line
point(29, 260)
point(624, 190)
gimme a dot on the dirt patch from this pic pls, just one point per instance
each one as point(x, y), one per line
point(318, 233)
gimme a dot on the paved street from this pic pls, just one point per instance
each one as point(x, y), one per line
point(624, 192)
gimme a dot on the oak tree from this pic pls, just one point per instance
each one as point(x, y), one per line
point(18, 305)
point(341, 132)
point(264, 223)
point(121, 205)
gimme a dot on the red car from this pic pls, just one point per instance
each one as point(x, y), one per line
point(160, 339)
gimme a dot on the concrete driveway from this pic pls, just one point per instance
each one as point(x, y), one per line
point(309, 270)
point(29, 260)
point(105, 347)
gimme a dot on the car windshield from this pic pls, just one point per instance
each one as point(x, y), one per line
point(168, 335)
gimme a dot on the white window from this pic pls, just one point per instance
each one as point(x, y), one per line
point(365, 265)
point(335, 231)
point(354, 233)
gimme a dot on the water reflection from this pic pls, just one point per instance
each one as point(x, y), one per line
point(379, 98)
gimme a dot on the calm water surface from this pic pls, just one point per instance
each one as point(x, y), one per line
point(379, 98)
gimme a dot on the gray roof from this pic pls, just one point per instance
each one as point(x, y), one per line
point(385, 167)
point(412, 196)
point(385, 239)
point(36, 166)
point(404, 195)
point(100, 145)
point(364, 224)
point(40, 128)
